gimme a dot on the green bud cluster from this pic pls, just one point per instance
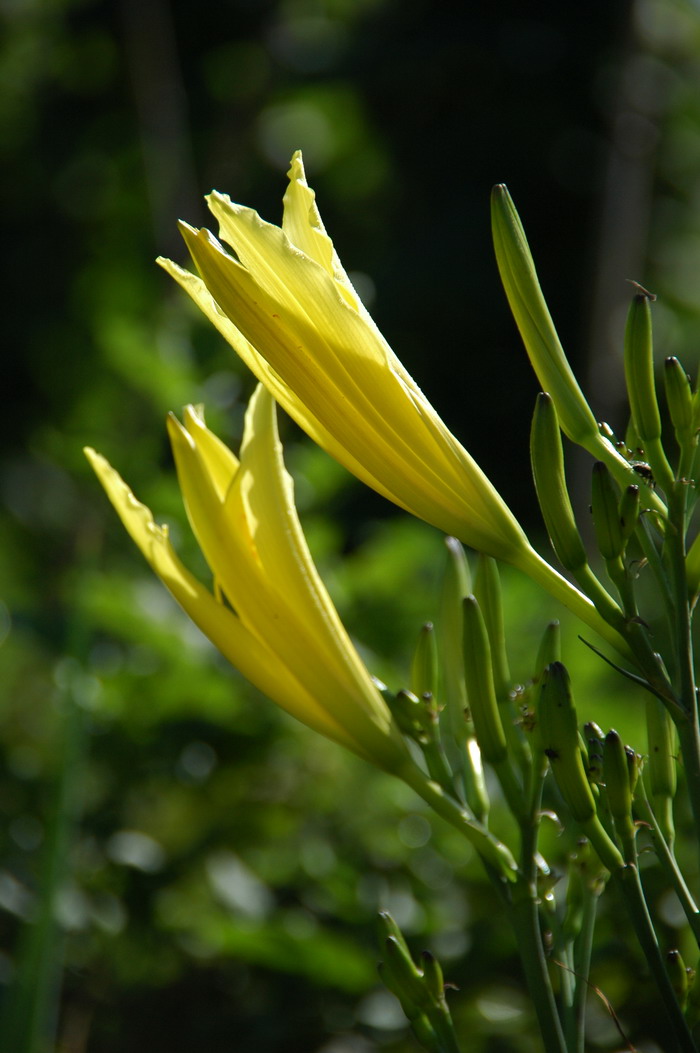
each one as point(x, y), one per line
point(420, 990)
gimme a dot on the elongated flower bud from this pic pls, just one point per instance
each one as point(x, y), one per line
point(639, 370)
point(678, 975)
point(629, 511)
point(480, 687)
point(641, 389)
point(617, 781)
point(432, 976)
point(520, 281)
point(487, 589)
point(402, 977)
point(594, 739)
point(661, 745)
point(606, 514)
point(424, 668)
point(679, 398)
point(550, 648)
point(560, 741)
point(456, 585)
point(547, 459)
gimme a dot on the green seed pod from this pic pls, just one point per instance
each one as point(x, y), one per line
point(480, 687)
point(679, 398)
point(606, 517)
point(487, 589)
point(547, 458)
point(617, 781)
point(560, 741)
point(424, 668)
point(629, 511)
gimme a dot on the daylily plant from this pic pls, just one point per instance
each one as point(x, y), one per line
point(287, 307)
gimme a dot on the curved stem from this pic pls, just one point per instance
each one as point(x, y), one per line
point(627, 880)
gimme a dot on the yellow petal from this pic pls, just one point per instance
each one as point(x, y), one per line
point(253, 542)
point(254, 660)
point(338, 369)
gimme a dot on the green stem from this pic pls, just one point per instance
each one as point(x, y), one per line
point(668, 861)
point(526, 924)
point(689, 738)
point(582, 965)
point(627, 880)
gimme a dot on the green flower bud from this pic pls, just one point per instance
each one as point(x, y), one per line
point(487, 589)
point(560, 742)
point(432, 977)
point(549, 650)
point(639, 376)
point(522, 287)
point(456, 585)
point(403, 978)
point(679, 398)
point(481, 692)
point(424, 668)
point(678, 975)
point(410, 713)
point(594, 739)
point(606, 517)
point(629, 511)
point(662, 749)
point(639, 369)
point(547, 457)
point(617, 782)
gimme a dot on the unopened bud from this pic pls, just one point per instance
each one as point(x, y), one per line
point(425, 663)
point(679, 397)
point(606, 517)
point(547, 459)
point(481, 692)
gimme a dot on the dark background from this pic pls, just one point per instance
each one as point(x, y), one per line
point(115, 119)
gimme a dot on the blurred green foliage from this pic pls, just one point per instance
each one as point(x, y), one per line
point(219, 885)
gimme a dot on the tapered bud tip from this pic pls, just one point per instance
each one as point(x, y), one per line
point(641, 295)
point(544, 398)
point(612, 737)
point(428, 957)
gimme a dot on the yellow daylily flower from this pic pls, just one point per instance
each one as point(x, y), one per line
point(270, 614)
point(287, 307)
